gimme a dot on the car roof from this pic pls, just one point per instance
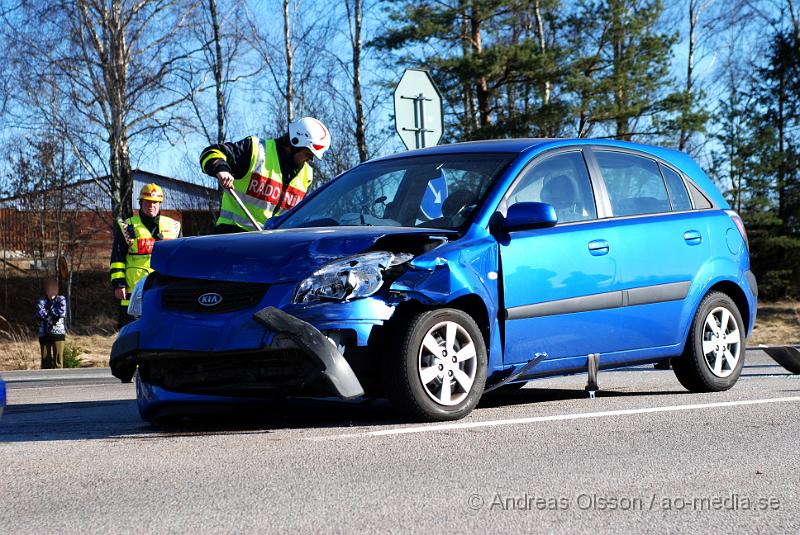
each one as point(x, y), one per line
point(488, 145)
point(678, 159)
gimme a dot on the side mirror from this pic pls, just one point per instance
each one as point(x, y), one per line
point(529, 215)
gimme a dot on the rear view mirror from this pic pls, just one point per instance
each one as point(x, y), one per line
point(529, 215)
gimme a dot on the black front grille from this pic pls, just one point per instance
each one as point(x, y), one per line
point(184, 295)
point(247, 373)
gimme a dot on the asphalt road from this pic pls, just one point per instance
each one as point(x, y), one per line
point(644, 456)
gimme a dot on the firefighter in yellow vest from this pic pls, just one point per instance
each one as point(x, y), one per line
point(133, 244)
point(270, 176)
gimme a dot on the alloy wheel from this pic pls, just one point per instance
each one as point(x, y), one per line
point(447, 363)
point(721, 342)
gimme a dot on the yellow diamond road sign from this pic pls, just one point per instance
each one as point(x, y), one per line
point(418, 110)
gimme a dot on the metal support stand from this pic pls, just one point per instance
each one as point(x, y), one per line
point(419, 119)
point(592, 366)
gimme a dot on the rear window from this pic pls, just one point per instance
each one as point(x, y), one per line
point(634, 184)
point(700, 200)
point(677, 189)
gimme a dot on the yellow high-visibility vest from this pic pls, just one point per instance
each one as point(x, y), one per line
point(261, 189)
point(140, 246)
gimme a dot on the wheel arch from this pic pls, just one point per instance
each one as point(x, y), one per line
point(735, 292)
point(732, 290)
point(471, 304)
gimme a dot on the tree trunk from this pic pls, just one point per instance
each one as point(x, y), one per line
point(116, 74)
point(218, 69)
point(470, 117)
point(287, 41)
point(683, 136)
point(794, 18)
point(619, 52)
point(782, 201)
point(361, 133)
point(537, 11)
point(122, 177)
point(482, 84)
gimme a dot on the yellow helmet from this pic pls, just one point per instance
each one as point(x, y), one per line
point(152, 192)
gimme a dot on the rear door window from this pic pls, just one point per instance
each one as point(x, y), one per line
point(634, 184)
point(677, 189)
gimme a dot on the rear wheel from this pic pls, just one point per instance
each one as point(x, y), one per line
point(439, 371)
point(714, 354)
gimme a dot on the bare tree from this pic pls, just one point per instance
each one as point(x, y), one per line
point(299, 66)
point(113, 65)
point(227, 65)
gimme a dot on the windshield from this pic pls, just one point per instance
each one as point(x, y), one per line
point(440, 191)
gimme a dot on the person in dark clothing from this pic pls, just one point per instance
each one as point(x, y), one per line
point(133, 244)
point(270, 176)
point(51, 309)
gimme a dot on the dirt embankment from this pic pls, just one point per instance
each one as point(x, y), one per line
point(777, 323)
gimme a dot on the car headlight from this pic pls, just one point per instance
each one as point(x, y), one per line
point(348, 278)
point(135, 299)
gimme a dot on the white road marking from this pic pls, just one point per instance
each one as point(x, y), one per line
point(554, 418)
point(10, 380)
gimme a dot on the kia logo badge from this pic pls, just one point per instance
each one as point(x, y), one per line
point(209, 299)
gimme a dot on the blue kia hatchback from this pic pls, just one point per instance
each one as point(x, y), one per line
point(432, 276)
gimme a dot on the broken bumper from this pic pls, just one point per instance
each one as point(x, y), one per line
point(298, 360)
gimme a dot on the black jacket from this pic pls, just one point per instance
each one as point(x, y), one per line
point(236, 158)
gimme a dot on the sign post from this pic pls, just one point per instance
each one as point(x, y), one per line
point(418, 110)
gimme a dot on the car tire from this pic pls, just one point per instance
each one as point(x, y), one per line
point(713, 358)
point(428, 381)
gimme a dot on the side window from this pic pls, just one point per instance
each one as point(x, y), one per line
point(562, 181)
point(634, 184)
point(677, 189)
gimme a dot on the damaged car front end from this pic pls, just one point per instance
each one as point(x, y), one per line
point(198, 339)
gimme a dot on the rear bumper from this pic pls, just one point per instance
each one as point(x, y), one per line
point(299, 359)
point(751, 281)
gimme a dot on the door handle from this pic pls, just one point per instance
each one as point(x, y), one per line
point(598, 247)
point(693, 237)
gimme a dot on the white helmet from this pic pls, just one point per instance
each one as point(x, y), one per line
point(311, 134)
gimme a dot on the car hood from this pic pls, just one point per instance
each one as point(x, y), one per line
point(279, 255)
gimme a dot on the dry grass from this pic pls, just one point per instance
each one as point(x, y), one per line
point(778, 323)
point(22, 352)
point(17, 352)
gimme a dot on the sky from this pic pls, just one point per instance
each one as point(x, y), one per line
point(249, 115)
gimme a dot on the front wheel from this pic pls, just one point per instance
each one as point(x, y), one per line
point(439, 370)
point(714, 354)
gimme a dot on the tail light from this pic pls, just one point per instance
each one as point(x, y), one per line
point(740, 225)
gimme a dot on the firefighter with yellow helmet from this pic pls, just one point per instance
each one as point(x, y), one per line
point(133, 244)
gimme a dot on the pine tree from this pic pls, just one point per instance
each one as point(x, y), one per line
point(620, 75)
point(496, 61)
